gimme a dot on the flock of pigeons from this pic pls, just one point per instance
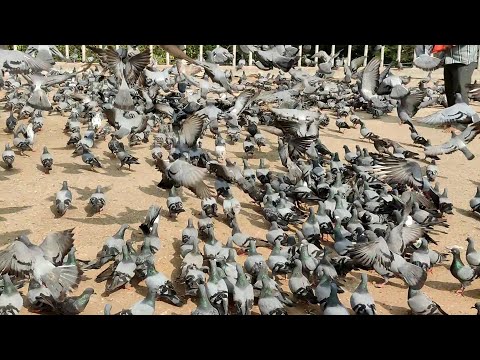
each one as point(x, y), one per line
point(328, 213)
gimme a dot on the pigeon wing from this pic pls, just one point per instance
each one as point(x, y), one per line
point(56, 245)
point(16, 259)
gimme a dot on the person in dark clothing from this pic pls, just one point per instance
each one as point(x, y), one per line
point(460, 62)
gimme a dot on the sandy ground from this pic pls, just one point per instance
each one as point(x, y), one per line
point(27, 194)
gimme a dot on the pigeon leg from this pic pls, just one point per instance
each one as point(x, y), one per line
point(460, 291)
point(381, 285)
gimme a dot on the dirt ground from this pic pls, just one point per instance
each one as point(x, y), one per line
point(27, 195)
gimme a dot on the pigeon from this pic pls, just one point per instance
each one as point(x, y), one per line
point(473, 257)
point(421, 304)
point(63, 199)
point(459, 113)
point(153, 214)
point(110, 250)
point(8, 156)
point(457, 142)
point(126, 159)
point(43, 262)
point(204, 307)
point(46, 160)
point(122, 273)
point(163, 287)
point(97, 200)
point(242, 293)
point(73, 305)
point(299, 284)
point(184, 174)
point(333, 305)
point(217, 290)
point(361, 301)
point(463, 273)
point(11, 302)
point(268, 303)
point(174, 203)
point(11, 123)
point(143, 307)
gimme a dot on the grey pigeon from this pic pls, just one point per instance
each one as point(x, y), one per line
point(204, 307)
point(46, 160)
point(122, 273)
point(268, 303)
point(299, 284)
point(8, 156)
point(153, 213)
point(174, 203)
point(457, 142)
point(421, 304)
point(11, 302)
point(126, 159)
point(162, 286)
point(473, 257)
point(243, 293)
point(465, 274)
point(63, 199)
point(97, 200)
point(361, 301)
point(333, 305)
point(73, 305)
point(110, 250)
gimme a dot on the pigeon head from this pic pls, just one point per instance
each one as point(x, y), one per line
point(24, 239)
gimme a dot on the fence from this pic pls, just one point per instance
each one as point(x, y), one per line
point(233, 50)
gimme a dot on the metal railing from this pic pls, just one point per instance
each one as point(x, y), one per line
point(250, 55)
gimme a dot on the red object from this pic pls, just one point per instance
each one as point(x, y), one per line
point(439, 48)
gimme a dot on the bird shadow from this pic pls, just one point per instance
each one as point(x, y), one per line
point(476, 183)
point(89, 210)
point(7, 237)
point(114, 171)
point(87, 191)
point(149, 161)
point(176, 259)
point(152, 190)
point(9, 171)
point(41, 168)
point(108, 155)
point(442, 285)
point(394, 310)
point(70, 168)
point(466, 213)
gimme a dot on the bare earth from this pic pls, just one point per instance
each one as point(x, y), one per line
point(27, 195)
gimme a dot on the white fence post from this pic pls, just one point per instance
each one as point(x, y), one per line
point(365, 53)
point(67, 51)
point(414, 53)
point(478, 61)
point(84, 53)
point(332, 51)
point(300, 51)
point(151, 52)
point(250, 58)
point(167, 58)
point(317, 47)
point(234, 50)
point(15, 47)
point(399, 53)
point(201, 53)
point(349, 54)
point(117, 47)
point(382, 55)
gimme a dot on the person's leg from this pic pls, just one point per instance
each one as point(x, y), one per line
point(464, 78)
point(449, 85)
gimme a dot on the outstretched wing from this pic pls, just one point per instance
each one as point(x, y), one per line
point(135, 66)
